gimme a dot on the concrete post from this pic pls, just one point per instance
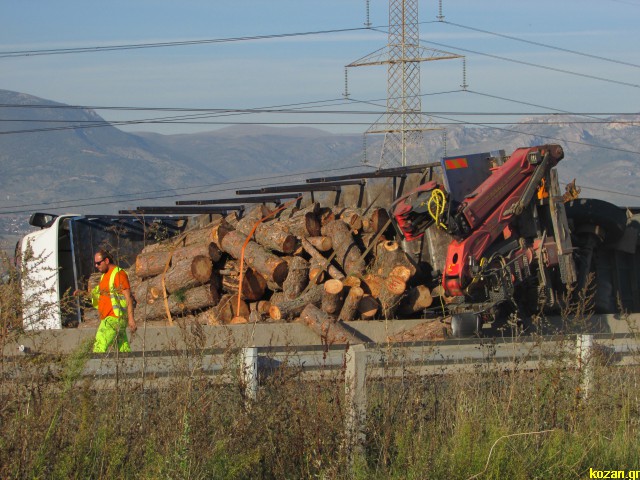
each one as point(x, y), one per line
point(249, 372)
point(356, 395)
point(584, 350)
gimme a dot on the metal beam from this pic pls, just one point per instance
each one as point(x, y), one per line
point(381, 173)
point(306, 187)
point(174, 210)
point(263, 199)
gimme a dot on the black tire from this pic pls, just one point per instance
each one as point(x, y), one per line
point(591, 211)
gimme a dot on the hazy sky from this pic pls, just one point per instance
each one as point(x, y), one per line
point(310, 68)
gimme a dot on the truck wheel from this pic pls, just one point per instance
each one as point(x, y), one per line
point(586, 212)
point(465, 324)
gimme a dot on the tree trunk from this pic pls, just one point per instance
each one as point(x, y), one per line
point(333, 296)
point(273, 268)
point(148, 290)
point(297, 278)
point(286, 309)
point(322, 244)
point(375, 221)
point(254, 285)
point(351, 216)
point(227, 309)
point(326, 326)
point(388, 256)
point(350, 306)
point(194, 299)
point(372, 284)
point(392, 290)
point(188, 273)
point(417, 299)
point(153, 263)
point(348, 255)
point(302, 224)
point(323, 262)
point(268, 234)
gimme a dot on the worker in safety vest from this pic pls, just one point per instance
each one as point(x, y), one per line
point(112, 297)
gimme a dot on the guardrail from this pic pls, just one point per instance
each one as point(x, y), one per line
point(357, 362)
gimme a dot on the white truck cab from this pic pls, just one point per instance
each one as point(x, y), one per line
point(58, 259)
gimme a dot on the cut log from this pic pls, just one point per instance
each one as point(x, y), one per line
point(418, 298)
point(350, 306)
point(150, 264)
point(153, 263)
point(322, 244)
point(375, 221)
point(320, 260)
point(392, 290)
point(350, 216)
point(188, 273)
point(333, 296)
point(180, 303)
point(286, 309)
point(326, 326)
point(348, 255)
point(207, 317)
point(368, 307)
point(148, 290)
point(388, 256)
point(297, 278)
point(269, 235)
point(372, 284)
point(254, 285)
point(227, 309)
point(401, 271)
point(302, 224)
point(219, 231)
point(352, 281)
point(316, 274)
point(368, 238)
point(273, 268)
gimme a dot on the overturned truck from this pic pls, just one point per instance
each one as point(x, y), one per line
point(476, 239)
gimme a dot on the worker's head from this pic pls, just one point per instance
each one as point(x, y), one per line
point(102, 260)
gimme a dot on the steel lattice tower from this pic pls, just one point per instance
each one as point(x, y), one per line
point(403, 123)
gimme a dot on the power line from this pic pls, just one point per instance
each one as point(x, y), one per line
point(545, 45)
point(137, 46)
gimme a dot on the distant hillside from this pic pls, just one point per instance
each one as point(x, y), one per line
point(43, 163)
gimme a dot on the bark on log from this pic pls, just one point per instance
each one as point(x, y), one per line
point(254, 285)
point(227, 309)
point(321, 243)
point(333, 296)
point(392, 290)
point(273, 268)
point(375, 221)
point(372, 284)
point(326, 326)
point(286, 309)
point(219, 231)
point(153, 263)
point(368, 307)
point(188, 273)
point(389, 255)
point(148, 290)
point(351, 216)
point(347, 252)
point(297, 278)
point(418, 298)
point(194, 299)
point(350, 306)
point(269, 235)
point(302, 224)
point(428, 331)
point(323, 262)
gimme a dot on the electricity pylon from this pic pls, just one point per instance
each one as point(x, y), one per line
point(403, 123)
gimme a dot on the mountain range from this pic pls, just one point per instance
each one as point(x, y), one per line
point(44, 162)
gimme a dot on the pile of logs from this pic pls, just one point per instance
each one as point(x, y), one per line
point(318, 266)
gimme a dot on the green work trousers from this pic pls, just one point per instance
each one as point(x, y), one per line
point(111, 329)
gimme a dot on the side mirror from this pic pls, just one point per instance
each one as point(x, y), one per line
point(42, 220)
